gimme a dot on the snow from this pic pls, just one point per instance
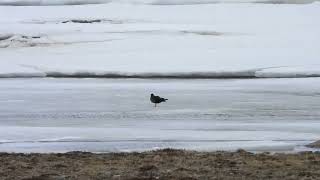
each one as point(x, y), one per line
point(148, 40)
point(154, 2)
point(50, 2)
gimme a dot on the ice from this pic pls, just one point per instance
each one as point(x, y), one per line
point(58, 115)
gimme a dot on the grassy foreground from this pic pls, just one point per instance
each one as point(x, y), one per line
point(161, 164)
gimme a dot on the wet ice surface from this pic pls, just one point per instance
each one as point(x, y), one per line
point(102, 115)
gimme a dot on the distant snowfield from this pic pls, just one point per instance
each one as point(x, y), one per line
point(155, 2)
point(154, 39)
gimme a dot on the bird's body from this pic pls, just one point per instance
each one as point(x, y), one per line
point(157, 99)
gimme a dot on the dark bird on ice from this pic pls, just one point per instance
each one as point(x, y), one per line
point(157, 99)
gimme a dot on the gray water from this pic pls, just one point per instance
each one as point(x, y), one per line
point(58, 115)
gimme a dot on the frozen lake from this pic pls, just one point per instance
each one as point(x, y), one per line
point(101, 115)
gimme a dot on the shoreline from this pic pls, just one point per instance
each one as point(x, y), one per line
point(160, 164)
point(315, 144)
point(157, 77)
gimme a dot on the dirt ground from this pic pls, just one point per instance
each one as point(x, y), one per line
point(163, 164)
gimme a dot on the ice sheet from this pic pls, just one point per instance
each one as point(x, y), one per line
point(58, 115)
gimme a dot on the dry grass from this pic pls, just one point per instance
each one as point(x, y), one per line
point(162, 164)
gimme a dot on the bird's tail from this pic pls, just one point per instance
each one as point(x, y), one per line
point(163, 100)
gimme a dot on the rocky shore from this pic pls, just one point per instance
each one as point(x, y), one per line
point(314, 145)
point(161, 164)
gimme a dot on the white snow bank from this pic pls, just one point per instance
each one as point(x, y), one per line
point(153, 2)
point(218, 41)
point(276, 72)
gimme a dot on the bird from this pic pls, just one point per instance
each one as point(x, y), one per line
point(157, 99)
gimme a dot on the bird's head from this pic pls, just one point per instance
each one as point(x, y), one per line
point(152, 94)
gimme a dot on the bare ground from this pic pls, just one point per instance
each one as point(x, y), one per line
point(162, 164)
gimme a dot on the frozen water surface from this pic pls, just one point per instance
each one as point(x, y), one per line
point(101, 115)
point(163, 39)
